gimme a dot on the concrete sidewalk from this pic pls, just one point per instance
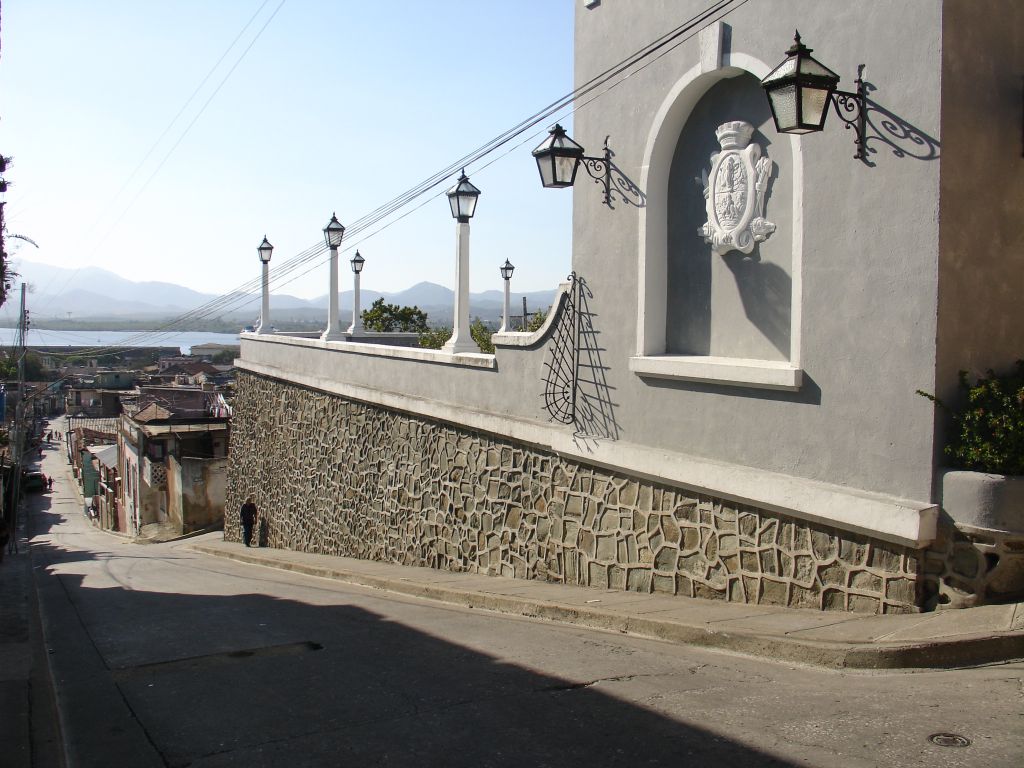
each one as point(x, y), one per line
point(941, 639)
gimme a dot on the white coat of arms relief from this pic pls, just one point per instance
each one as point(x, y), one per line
point(735, 192)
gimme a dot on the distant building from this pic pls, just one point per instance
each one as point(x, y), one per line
point(172, 447)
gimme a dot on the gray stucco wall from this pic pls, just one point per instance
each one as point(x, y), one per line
point(981, 217)
point(856, 258)
point(870, 248)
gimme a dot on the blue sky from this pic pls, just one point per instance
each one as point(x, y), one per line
point(338, 106)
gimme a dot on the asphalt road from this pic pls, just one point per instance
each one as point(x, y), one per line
point(164, 657)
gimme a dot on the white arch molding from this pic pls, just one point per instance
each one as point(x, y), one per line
point(651, 358)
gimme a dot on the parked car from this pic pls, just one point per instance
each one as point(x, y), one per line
point(33, 481)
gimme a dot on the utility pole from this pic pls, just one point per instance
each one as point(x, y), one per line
point(19, 426)
point(524, 313)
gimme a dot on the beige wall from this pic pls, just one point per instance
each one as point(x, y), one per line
point(981, 213)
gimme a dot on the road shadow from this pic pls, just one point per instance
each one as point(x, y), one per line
point(256, 680)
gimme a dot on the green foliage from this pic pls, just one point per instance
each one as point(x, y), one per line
point(34, 370)
point(227, 357)
point(387, 318)
point(536, 321)
point(481, 335)
point(988, 433)
point(435, 338)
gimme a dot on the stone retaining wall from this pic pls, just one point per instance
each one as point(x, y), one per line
point(339, 477)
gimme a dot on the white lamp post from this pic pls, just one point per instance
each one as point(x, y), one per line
point(462, 198)
point(265, 250)
point(506, 270)
point(356, 329)
point(333, 233)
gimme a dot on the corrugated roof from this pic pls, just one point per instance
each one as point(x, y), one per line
point(107, 455)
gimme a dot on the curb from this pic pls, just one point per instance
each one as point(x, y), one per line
point(963, 651)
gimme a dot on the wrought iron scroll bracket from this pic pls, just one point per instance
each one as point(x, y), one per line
point(852, 109)
point(616, 186)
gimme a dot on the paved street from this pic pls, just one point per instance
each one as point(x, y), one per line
point(165, 657)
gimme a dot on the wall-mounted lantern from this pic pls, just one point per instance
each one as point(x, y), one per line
point(559, 158)
point(801, 89)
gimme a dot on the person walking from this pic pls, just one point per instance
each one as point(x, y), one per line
point(248, 516)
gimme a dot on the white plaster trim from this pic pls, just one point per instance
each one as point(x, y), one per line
point(734, 371)
point(902, 521)
point(465, 359)
point(529, 338)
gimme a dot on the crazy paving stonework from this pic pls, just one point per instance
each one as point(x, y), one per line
point(338, 477)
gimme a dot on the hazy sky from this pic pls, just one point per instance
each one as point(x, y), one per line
point(337, 106)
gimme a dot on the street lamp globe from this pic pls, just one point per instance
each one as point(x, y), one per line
point(357, 263)
point(333, 232)
point(800, 90)
point(462, 199)
point(558, 158)
point(265, 250)
point(506, 270)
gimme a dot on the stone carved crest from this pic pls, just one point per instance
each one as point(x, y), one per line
point(735, 192)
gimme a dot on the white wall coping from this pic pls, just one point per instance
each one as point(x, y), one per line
point(901, 521)
point(529, 338)
point(465, 359)
point(732, 371)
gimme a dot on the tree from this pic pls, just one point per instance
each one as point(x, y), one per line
point(537, 319)
point(387, 318)
point(482, 335)
point(435, 338)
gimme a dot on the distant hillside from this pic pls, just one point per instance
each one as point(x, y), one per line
point(92, 294)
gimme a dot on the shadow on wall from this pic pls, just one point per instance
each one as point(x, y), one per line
point(576, 389)
point(272, 681)
point(888, 129)
point(766, 292)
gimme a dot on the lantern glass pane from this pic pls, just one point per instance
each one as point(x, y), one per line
point(784, 107)
point(814, 102)
point(786, 68)
point(565, 170)
point(811, 66)
point(546, 166)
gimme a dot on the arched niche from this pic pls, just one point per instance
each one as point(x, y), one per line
point(732, 319)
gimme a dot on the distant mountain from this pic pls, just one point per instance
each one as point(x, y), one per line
point(91, 292)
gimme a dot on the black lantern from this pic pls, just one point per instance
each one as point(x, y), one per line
point(265, 250)
point(333, 232)
point(506, 270)
point(800, 91)
point(558, 158)
point(357, 263)
point(462, 198)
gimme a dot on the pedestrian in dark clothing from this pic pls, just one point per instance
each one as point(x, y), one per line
point(248, 515)
point(49, 483)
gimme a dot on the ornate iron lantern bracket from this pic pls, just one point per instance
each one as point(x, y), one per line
point(604, 172)
point(852, 109)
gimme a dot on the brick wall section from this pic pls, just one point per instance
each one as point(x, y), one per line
point(339, 477)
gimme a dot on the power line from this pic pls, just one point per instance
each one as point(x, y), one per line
point(625, 68)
